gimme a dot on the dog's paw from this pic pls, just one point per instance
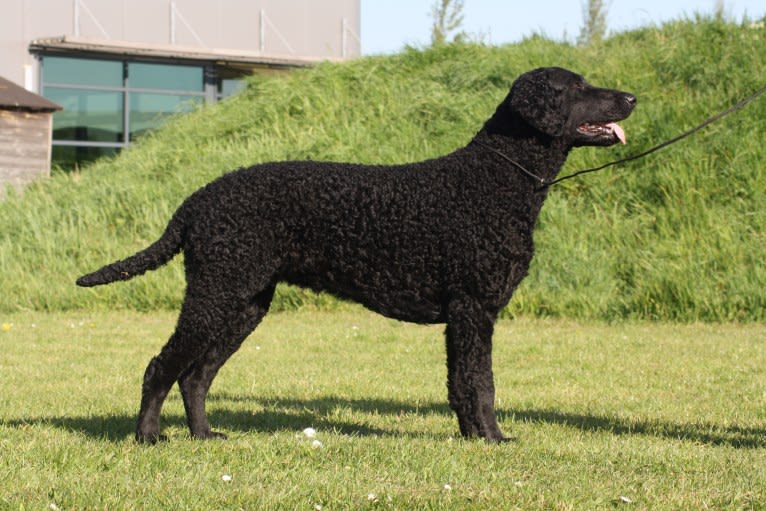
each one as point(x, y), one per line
point(501, 440)
point(210, 435)
point(495, 436)
point(150, 438)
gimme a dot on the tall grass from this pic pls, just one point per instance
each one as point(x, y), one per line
point(678, 235)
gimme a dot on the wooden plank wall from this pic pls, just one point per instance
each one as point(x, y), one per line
point(25, 147)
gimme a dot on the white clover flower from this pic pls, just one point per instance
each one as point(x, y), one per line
point(226, 478)
point(310, 433)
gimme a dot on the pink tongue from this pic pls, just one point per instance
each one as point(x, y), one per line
point(617, 131)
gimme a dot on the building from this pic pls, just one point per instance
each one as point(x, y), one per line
point(118, 67)
point(25, 135)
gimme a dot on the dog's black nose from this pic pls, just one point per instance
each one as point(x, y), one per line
point(631, 99)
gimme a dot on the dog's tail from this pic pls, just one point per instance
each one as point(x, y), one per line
point(151, 258)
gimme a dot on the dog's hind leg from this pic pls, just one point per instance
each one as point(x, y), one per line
point(185, 345)
point(193, 334)
point(196, 380)
point(470, 383)
point(211, 304)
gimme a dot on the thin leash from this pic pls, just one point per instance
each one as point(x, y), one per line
point(544, 183)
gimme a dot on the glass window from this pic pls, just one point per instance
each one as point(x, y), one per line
point(96, 93)
point(230, 81)
point(149, 110)
point(104, 73)
point(70, 157)
point(166, 77)
point(229, 86)
point(88, 115)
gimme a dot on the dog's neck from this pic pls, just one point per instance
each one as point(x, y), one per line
point(540, 154)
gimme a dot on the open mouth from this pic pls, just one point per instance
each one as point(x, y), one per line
point(609, 129)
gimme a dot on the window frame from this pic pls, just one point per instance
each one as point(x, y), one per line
point(208, 91)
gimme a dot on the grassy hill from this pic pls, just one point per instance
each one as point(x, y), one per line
point(679, 235)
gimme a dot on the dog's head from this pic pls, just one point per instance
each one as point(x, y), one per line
point(561, 104)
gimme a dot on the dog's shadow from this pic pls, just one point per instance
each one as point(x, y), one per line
point(286, 414)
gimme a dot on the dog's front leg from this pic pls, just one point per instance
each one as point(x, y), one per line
point(469, 369)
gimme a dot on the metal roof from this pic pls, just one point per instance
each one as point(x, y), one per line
point(108, 47)
point(16, 97)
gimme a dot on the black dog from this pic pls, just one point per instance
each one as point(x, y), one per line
point(441, 241)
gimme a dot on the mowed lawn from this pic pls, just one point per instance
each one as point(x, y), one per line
point(625, 416)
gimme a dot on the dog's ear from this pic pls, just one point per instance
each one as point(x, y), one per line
point(539, 102)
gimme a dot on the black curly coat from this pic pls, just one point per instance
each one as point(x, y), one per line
point(440, 241)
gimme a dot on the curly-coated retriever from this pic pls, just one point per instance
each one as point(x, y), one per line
point(440, 241)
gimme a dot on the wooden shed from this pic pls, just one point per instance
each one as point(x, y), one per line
point(26, 121)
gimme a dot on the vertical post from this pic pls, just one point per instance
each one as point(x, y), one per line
point(210, 79)
point(172, 22)
point(262, 32)
point(344, 38)
point(76, 18)
point(125, 104)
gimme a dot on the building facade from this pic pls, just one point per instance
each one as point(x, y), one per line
point(119, 67)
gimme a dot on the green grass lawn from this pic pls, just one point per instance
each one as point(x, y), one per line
point(633, 416)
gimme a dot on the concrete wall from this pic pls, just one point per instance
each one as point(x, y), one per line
point(300, 28)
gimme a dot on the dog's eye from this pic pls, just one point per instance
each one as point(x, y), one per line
point(578, 85)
